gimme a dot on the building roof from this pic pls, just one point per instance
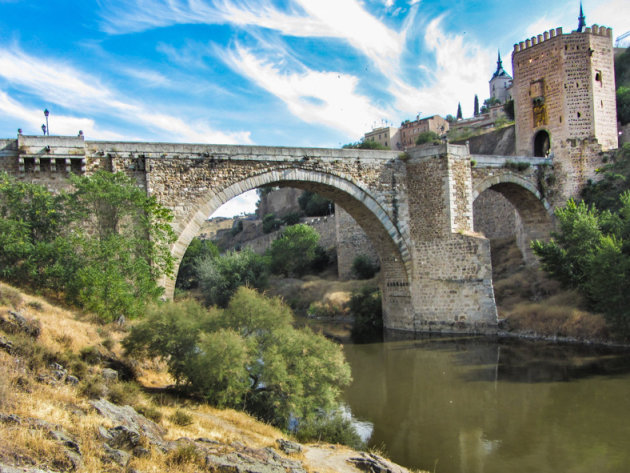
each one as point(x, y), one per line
point(500, 72)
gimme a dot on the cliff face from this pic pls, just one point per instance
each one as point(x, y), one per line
point(501, 142)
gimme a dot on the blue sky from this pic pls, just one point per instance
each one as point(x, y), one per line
point(269, 72)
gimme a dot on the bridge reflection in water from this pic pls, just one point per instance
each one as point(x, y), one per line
point(471, 405)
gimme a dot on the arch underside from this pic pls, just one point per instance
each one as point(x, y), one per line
point(364, 208)
point(534, 214)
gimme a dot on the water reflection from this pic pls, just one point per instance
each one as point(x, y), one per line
point(475, 406)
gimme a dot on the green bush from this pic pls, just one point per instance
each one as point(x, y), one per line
point(270, 223)
point(363, 267)
point(198, 249)
point(245, 356)
point(589, 252)
point(181, 417)
point(314, 205)
point(293, 253)
point(333, 429)
point(367, 309)
point(236, 228)
point(427, 137)
point(291, 218)
point(103, 244)
point(220, 277)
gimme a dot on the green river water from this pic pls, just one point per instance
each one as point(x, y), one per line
point(468, 405)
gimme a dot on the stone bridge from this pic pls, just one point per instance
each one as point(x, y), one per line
point(416, 208)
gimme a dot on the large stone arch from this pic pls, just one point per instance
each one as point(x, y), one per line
point(391, 246)
point(535, 214)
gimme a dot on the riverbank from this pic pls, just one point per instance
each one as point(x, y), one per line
point(71, 401)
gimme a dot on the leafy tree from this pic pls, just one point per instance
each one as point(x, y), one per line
point(270, 223)
point(220, 277)
point(197, 250)
point(247, 356)
point(615, 179)
point(366, 144)
point(427, 137)
point(489, 102)
point(476, 105)
point(591, 252)
point(314, 205)
point(623, 105)
point(363, 267)
point(459, 112)
point(103, 244)
point(294, 251)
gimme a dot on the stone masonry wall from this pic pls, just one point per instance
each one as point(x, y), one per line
point(351, 242)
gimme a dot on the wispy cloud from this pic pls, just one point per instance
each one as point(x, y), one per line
point(73, 89)
point(328, 98)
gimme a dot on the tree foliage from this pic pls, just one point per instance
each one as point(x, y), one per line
point(614, 180)
point(366, 307)
point(363, 267)
point(314, 205)
point(245, 356)
point(103, 244)
point(366, 144)
point(427, 137)
point(623, 105)
point(293, 253)
point(591, 252)
point(220, 277)
point(197, 250)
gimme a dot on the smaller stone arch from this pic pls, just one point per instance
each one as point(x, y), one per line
point(533, 209)
point(542, 144)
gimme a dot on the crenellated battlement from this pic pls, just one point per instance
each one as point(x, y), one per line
point(557, 32)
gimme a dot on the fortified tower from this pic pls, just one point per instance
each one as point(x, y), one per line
point(565, 104)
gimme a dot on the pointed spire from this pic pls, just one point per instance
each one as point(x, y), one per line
point(581, 20)
point(499, 62)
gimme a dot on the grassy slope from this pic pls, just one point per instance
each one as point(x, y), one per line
point(65, 334)
point(529, 303)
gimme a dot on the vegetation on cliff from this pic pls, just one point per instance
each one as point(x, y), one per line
point(102, 245)
point(590, 251)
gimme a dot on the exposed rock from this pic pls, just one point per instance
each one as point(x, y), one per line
point(109, 375)
point(6, 345)
point(113, 455)
point(73, 380)
point(371, 463)
point(128, 417)
point(10, 419)
point(141, 452)
point(17, 323)
point(123, 437)
point(68, 441)
point(14, 469)
point(289, 447)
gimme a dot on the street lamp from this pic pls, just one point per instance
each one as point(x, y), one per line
point(47, 130)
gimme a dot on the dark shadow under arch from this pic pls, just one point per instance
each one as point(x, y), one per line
point(542, 144)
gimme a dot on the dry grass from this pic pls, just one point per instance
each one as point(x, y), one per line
point(65, 334)
point(301, 293)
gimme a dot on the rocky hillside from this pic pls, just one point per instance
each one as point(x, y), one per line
point(70, 401)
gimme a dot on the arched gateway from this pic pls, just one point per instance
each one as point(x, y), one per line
point(416, 208)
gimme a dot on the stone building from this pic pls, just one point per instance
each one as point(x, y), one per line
point(386, 136)
point(565, 104)
point(500, 83)
point(409, 130)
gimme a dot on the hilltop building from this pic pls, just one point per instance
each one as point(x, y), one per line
point(409, 130)
point(386, 136)
point(501, 83)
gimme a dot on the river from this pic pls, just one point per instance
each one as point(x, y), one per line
point(470, 405)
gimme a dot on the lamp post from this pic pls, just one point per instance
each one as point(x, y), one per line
point(47, 130)
point(44, 129)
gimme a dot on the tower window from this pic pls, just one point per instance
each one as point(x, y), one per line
point(598, 77)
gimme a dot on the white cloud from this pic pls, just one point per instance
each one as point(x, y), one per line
point(30, 120)
point(328, 98)
point(243, 204)
point(460, 71)
point(72, 89)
